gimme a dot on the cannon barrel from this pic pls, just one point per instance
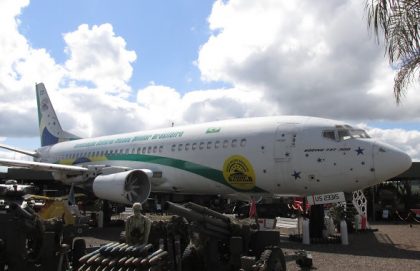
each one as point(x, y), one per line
point(207, 211)
point(195, 216)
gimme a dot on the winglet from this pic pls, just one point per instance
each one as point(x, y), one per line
point(49, 127)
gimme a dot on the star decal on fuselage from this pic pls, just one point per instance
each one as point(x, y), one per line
point(296, 174)
point(359, 151)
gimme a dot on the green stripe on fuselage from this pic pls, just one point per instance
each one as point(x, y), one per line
point(206, 172)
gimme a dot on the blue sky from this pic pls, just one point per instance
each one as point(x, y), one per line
point(121, 66)
point(166, 35)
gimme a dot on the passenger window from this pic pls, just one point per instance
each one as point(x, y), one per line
point(180, 147)
point(160, 148)
point(173, 147)
point(201, 145)
point(194, 146)
point(243, 142)
point(217, 144)
point(187, 146)
point(234, 143)
point(138, 150)
point(225, 144)
point(155, 149)
point(127, 151)
point(209, 145)
point(149, 149)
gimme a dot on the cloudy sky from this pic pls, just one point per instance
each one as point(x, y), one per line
point(121, 66)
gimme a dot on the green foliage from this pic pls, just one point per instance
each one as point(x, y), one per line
point(399, 23)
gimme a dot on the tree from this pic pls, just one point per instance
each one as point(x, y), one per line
point(399, 23)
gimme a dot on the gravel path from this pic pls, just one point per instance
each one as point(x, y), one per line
point(391, 247)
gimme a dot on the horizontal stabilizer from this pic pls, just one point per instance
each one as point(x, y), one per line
point(30, 153)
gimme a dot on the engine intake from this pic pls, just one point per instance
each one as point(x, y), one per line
point(124, 187)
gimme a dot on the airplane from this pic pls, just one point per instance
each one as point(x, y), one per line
point(261, 157)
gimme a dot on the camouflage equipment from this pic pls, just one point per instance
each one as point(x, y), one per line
point(217, 243)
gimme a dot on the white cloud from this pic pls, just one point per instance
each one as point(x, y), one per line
point(311, 57)
point(164, 105)
point(20, 67)
point(97, 55)
point(280, 57)
point(408, 141)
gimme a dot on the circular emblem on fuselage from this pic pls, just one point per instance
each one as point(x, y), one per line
point(238, 172)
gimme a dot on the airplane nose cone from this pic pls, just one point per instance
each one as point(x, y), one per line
point(389, 161)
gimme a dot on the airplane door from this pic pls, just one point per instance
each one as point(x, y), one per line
point(284, 143)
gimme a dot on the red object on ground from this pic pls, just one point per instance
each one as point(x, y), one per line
point(416, 212)
point(363, 223)
point(252, 208)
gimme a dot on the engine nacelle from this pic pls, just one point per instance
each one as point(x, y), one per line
point(123, 187)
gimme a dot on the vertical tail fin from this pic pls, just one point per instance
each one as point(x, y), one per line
point(49, 127)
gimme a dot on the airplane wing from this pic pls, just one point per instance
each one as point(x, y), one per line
point(39, 197)
point(30, 153)
point(42, 166)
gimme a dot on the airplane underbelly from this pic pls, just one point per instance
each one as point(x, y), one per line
point(176, 181)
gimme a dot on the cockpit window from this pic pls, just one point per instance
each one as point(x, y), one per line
point(330, 134)
point(344, 132)
point(359, 133)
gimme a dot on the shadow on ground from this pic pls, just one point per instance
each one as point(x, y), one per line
point(369, 243)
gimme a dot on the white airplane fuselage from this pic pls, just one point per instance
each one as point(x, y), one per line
point(287, 155)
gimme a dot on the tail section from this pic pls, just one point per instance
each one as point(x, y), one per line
point(49, 127)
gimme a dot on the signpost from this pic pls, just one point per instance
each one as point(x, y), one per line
point(326, 198)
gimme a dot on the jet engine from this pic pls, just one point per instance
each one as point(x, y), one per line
point(123, 187)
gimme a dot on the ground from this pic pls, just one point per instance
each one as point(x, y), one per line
point(391, 247)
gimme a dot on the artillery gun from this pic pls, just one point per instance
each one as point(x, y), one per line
point(217, 243)
point(29, 243)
